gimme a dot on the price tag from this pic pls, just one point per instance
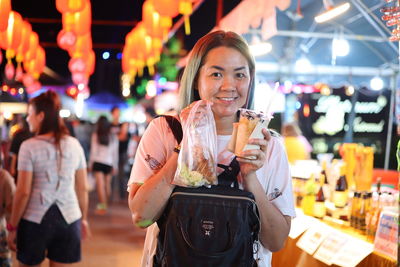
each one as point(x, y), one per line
point(313, 237)
point(300, 224)
point(352, 253)
point(386, 238)
point(331, 246)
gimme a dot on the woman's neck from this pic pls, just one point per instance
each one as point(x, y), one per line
point(49, 134)
point(224, 126)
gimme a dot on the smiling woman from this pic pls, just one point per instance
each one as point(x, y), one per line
point(220, 70)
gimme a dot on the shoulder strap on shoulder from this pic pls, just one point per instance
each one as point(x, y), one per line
point(175, 126)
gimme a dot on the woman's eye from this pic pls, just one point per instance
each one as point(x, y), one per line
point(216, 74)
point(240, 75)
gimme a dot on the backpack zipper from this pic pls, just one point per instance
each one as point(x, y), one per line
point(213, 195)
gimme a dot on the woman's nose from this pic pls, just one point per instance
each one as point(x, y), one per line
point(228, 84)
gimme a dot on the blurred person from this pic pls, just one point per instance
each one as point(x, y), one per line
point(51, 198)
point(7, 190)
point(19, 136)
point(103, 161)
point(121, 130)
point(297, 146)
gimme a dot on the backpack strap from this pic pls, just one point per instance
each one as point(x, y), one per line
point(175, 125)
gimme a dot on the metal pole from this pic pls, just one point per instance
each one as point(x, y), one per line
point(390, 122)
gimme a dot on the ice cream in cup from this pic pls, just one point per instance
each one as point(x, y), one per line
point(250, 126)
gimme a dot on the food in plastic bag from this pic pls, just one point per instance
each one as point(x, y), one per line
point(197, 158)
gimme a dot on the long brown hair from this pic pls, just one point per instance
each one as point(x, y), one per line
point(49, 103)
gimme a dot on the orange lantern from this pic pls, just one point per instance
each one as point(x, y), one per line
point(78, 22)
point(186, 9)
point(36, 66)
point(13, 31)
point(5, 9)
point(169, 8)
point(82, 46)
point(66, 39)
point(90, 62)
point(64, 6)
point(24, 46)
point(33, 44)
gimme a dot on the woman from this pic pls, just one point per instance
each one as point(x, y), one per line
point(49, 211)
point(221, 70)
point(297, 146)
point(103, 160)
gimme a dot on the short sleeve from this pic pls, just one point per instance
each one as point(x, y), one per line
point(155, 147)
point(278, 178)
point(25, 159)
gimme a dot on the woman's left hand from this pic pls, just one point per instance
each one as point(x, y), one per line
point(248, 166)
point(12, 240)
point(86, 232)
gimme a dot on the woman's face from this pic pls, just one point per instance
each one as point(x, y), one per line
point(34, 120)
point(224, 79)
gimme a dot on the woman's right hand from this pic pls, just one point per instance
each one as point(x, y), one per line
point(86, 233)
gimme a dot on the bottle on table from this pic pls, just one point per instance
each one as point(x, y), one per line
point(319, 205)
point(308, 201)
point(355, 208)
point(365, 206)
point(340, 196)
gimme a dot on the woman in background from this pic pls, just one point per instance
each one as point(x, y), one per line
point(297, 146)
point(49, 212)
point(103, 161)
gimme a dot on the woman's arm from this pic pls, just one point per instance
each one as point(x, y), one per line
point(20, 202)
point(148, 200)
point(81, 188)
point(275, 227)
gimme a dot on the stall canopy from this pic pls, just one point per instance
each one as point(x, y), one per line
point(11, 104)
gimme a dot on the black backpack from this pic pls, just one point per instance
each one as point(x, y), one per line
point(215, 226)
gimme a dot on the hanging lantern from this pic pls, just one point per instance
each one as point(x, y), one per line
point(66, 39)
point(78, 22)
point(13, 31)
point(9, 70)
point(27, 80)
point(90, 62)
point(169, 8)
point(186, 9)
point(35, 86)
point(36, 66)
point(24, 45)
point(77, 65)
point(33, 44)
point(79, 77)
point(64, 6)
point(19, 72)
point(5, 9)
point(82, 46)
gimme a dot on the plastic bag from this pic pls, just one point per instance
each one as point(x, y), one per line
point(197, 158)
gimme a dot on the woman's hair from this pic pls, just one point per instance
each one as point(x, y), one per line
point(188, 92)
point(103, 130)
point(49, 103)
point(291, 129)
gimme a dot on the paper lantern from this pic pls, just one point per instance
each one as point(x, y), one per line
point(33, 44)
point(169, 8)
point(19, 73)
point(78, 22)
point(9, 70)
point(64, 6)
point(24, 45)
point(66, 39)
point(82, 46)
point(5, 9)
point(13, 31)
point(77, 65)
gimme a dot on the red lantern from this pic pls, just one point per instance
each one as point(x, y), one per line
point(79, 77)
point(27, 80)
point(78, 22)
point(169, 8)
point(14, 31)
point(64, 6)
point(9, 70)
point(5, 9)
point(66, 39)
point(19, 73)
point(24, 46)
point(82, 46)
point(33, 44)
point(77, 65)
